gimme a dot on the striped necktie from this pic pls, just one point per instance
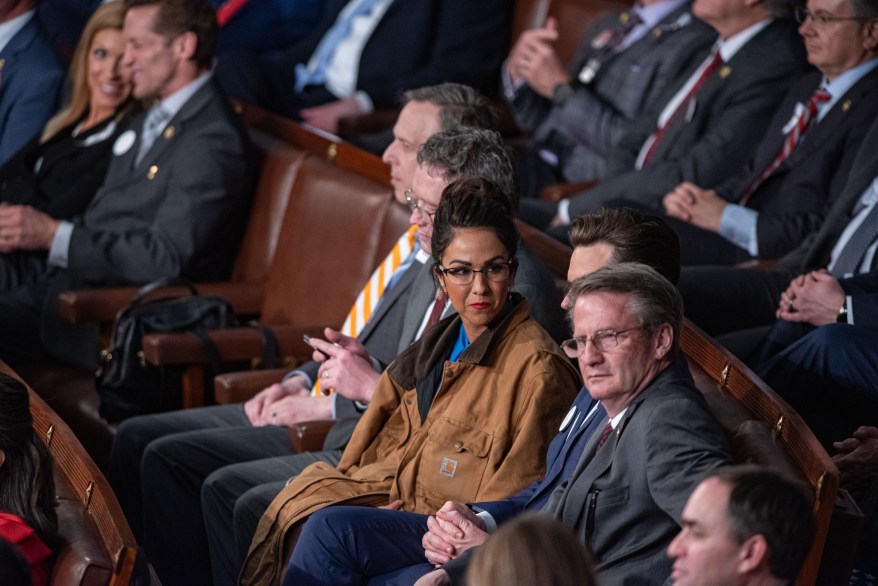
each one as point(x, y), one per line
point(792, 138)
point(368, 299)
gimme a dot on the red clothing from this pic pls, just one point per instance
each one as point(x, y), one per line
point(37, 553)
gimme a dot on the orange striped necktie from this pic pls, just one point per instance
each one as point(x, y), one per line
point(367, 300)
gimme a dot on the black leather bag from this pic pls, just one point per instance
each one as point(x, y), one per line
point(127, 385)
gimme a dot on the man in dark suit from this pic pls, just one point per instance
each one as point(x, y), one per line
point(631, 480)
point(172, 204)
point(624, 64)
point(31, 77)
point(711, 115)
point(803, 161)
point(365, 53)
point(725, 299)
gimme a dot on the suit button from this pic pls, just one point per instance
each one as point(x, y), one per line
point(458, 445)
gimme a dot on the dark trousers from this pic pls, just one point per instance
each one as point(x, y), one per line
point(724, 299)
point(157, 467)
point(233, 500)
point(359, 545)
point(828, 376)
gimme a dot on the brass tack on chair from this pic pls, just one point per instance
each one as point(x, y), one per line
point(332, 151)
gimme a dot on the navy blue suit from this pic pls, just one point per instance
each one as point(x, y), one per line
point(31, 80)
point(415, 44)
point(363, 544)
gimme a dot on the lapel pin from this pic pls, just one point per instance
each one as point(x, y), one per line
point(169, 133)
point(725, 72)
point(2, 63)
point(846, 106)
point(153, 171)
point(656, 32)
point(602, 39)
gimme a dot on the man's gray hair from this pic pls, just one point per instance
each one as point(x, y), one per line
point(865, 8)
point(655, 301)
point(458, 104)
point(465, 152)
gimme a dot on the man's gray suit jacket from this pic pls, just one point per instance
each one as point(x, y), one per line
point(624, 501)
point(710, 141)
point(586, 125)
point(180, 212)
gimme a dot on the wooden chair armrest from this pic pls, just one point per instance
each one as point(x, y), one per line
point(560, 191)
point(358, 124)
point(238, 387)
point(757, 264)
point(102, 305)
point(232, 344)
point(308, 436)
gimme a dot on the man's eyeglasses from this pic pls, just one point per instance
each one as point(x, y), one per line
point(415, 204)
point(822, 18)
point(602, 341)
point(496, 272)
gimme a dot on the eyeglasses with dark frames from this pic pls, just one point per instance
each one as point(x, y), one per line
point(415, 204)
point(822, 18)
point(603, 342)
point(496, 272)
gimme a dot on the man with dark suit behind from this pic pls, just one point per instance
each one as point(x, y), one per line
point(624, 64)
point(365, 53)
point(725, 299)
point(783, 195)
point(631, 482)
point(31, 77)
point(174, 207)
point(713, 114)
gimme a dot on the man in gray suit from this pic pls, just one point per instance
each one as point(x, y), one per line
point(173, 203)
point(631, 482)
point(624, 64)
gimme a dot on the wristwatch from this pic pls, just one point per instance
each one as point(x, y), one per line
point(842, 316)
point(562, 93)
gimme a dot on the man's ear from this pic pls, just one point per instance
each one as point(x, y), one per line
point(753, 554)
point(185, 45)
point(870, 35)
point(664, 337)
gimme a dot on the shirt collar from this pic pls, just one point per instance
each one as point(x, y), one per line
point(728, 47)
point(654, 13)
point(10, 28)
point(841, 84)
point(173, 103)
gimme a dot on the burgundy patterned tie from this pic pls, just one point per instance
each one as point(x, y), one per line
point(604, 436)
point(807, 117)
point(438, 308)
point(715, 62)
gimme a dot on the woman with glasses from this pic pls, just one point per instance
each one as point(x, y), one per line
point(465, 413)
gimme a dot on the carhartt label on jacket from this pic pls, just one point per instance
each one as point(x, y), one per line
point(448, 467)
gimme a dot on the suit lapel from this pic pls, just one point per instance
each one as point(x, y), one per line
point(174, 127)
point(19, 42)
point(423, 293)
point(389, 298)
point(825, 129)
